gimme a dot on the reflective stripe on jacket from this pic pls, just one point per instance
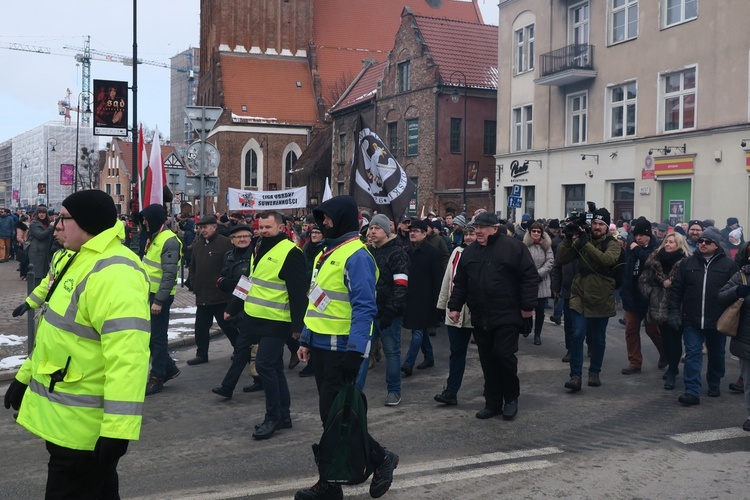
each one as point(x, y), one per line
point(99, 317)
point(336, 318)
point(152, 261)
point(268, 297)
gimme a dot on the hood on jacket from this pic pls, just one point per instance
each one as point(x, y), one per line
point(343, 213)
point(546, 240)
point(155, 215)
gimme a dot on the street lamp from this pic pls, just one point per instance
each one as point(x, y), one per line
point(460, 77)
point(24, 166)
point(78, 126)
point(53, 142)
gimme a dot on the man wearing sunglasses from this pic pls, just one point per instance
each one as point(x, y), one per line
point(694, 308)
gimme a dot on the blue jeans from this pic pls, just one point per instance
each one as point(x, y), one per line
point(459, 342)
point(597, 328)
point(162, 364)
point(419, 341)
point(391, 340)
point(557, 310)
point(716, 346)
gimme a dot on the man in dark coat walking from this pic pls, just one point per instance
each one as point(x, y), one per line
point(425, 279)
point(497, 279)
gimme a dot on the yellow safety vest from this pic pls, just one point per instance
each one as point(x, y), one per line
point(336, 319)
point(152, 260)
point(268, 297)
point(98, 318)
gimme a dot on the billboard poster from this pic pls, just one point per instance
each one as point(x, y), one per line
point(110, 108)
point(66, 174)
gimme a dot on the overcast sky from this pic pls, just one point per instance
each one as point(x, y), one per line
point(32, 83)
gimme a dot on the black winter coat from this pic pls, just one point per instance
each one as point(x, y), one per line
point(425, 280)
point(391, 288)
point(205, 266)
point(695, 289)
point(635, 260)
point(739, 345)
point(496, 281)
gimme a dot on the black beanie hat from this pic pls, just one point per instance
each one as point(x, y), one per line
point(642, 226)
point(93, 210)
point(602, 214)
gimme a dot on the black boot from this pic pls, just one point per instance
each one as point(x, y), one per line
point(537, 339)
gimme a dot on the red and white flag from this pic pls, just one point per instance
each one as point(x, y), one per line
point(153, 175)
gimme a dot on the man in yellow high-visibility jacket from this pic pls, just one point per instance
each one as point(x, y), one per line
point(82, 388)
point(162, 262)
point(338, 324)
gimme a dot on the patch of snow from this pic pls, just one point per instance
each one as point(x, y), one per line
point(182, 321)
point(12, 362)
point(11, 340)
point(184, 310)
point(178, 333)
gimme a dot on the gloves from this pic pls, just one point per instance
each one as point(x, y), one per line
point(108, 450)
point(440, 315)
point(350, 364)
point(674, 322)
point(583, 238)
point(742, 291)
point(189, 284)
point(21, 310)
point(386, 320)
point(14, 395)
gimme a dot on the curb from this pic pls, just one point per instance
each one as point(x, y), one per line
point(7, 375)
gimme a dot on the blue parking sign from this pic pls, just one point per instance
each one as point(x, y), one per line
point(515, 202)
point(516, 190)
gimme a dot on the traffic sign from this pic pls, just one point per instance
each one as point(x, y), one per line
point(516, 190)
point(515, 202)
point(193, 186)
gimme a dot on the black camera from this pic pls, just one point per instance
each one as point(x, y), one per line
point(577, 222)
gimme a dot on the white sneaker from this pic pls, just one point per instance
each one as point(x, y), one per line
point(392, 399)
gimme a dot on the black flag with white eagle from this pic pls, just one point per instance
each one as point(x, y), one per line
point(378, 181)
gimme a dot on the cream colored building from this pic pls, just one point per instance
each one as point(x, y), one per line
point(640, 106)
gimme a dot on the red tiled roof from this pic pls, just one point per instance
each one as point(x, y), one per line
point(126, 153)
point(470, 48)
point(268, 87)
point(365, 88)
point(344, 36)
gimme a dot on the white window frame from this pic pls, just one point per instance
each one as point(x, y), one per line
point(681, 94)
point(585, 25)
point(524, 49)
point(627, 10)
point(624, 104)
point(522, 128)
point(581, 114)
point(683, 7)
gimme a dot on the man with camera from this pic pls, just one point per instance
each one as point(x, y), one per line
point(592, 300)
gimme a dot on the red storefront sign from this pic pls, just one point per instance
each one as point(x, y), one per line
point(674, 165)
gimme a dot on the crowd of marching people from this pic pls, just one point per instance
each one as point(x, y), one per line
point(338, 288)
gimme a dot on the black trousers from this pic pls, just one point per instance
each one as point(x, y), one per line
point(204, 318)
point(76, 474)
point(270, 365)
point(329, 377)
point(497, 355)
point(243, 346)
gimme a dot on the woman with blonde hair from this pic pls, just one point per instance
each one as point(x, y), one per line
point(654, 283)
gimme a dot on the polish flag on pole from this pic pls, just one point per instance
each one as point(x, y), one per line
point(142, 164)
point(154, 177)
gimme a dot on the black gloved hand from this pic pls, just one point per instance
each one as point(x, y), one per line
point(386, 320)
point(108, 450)
point(583, 238)
point(14, 394)
point(20, 310)
point(742, 291)
point(675, 322)
point(350, 364)
point(440, 314)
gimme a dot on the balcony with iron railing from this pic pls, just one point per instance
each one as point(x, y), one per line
point(570, 64)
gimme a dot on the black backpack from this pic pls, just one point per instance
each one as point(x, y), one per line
point(343, 454)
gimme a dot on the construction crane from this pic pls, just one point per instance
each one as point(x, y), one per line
point(84, 55)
